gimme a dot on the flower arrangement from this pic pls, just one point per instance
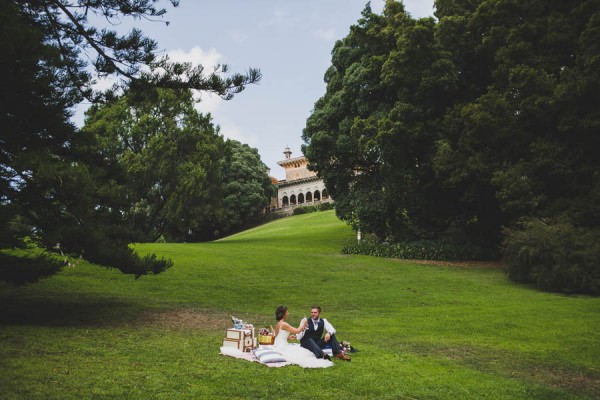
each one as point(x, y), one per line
point(264, 331)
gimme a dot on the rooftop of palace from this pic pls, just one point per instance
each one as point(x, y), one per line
point(296, 161)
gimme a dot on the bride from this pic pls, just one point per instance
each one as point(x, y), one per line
point(292, 352)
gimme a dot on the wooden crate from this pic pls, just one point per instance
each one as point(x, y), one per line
point(242, 339)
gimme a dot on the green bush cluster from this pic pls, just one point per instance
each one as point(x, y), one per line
point(21, 269)
point(313, 208)
point(419, 250)
point(129, 262)
point(555, 256)
point(29, 266)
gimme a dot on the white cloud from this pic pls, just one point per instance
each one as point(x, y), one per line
point(197, 56)
point(209, 59)
point(327, 35)
point(105, 83)
point(419, 8)
point(230, 131)
point(209, 102)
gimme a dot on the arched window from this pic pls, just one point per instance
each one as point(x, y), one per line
point(285, 201)
point(309, 198)
point(325, 194)
point(317, 195)
point(293, 199)
point(300, 198)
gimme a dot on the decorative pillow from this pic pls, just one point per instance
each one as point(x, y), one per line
point(266, 356)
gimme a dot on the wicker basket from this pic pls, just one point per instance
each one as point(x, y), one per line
point(266, 339)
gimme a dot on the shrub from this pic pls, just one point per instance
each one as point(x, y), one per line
point(20, 270)
point(128, 261)
point(304, 210)
point(29, 266)
point(555, 256)
point(313, 208)
point(419, 250)
point(327, 206)
point(150, 263)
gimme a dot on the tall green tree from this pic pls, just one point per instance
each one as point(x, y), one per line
point(182, 180)
point(483, 119)
point(371, 135)
point(247, 187)
point(475, 121)
point(168, 157)
point(54, 187)
point(519, 139)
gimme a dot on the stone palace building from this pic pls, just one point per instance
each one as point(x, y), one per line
point(300, 187)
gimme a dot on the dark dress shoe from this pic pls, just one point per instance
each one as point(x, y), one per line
point(342, 356)
point(326, 356)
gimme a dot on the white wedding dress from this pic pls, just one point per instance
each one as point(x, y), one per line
point(296, 354)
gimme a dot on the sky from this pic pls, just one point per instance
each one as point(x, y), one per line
point(290, 41)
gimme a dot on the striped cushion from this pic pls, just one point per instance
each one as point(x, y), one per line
point(266, 356)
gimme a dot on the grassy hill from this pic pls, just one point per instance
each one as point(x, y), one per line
point(424, 331)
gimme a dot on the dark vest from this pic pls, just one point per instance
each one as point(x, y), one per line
point(311, 332)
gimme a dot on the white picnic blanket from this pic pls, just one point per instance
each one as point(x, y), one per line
point(249, 356)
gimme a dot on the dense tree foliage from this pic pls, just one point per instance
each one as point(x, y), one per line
point(522, 134)
point(182, 180)
point(54, 187)
point(247, 188)
point(479, 120)
point(371, 137)
point(166, 155)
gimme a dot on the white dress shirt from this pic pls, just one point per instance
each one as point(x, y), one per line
point(327, 328)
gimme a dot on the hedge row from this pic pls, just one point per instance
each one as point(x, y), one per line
point(437, 250)
point(313, 208)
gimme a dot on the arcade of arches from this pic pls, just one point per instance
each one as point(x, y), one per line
point(302, 195)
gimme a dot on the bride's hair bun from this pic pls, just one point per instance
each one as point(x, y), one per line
point(280, 312)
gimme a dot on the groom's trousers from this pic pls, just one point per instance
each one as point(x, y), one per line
point(317, 346)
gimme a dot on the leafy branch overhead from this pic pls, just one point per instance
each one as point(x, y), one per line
point(132, 56)
point(59, 185)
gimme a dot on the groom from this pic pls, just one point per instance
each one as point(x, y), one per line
point(312, 337)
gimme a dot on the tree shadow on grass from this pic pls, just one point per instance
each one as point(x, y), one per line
point(76, 312)
point(105, 312)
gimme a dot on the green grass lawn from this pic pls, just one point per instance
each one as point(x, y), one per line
point(423, 331)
